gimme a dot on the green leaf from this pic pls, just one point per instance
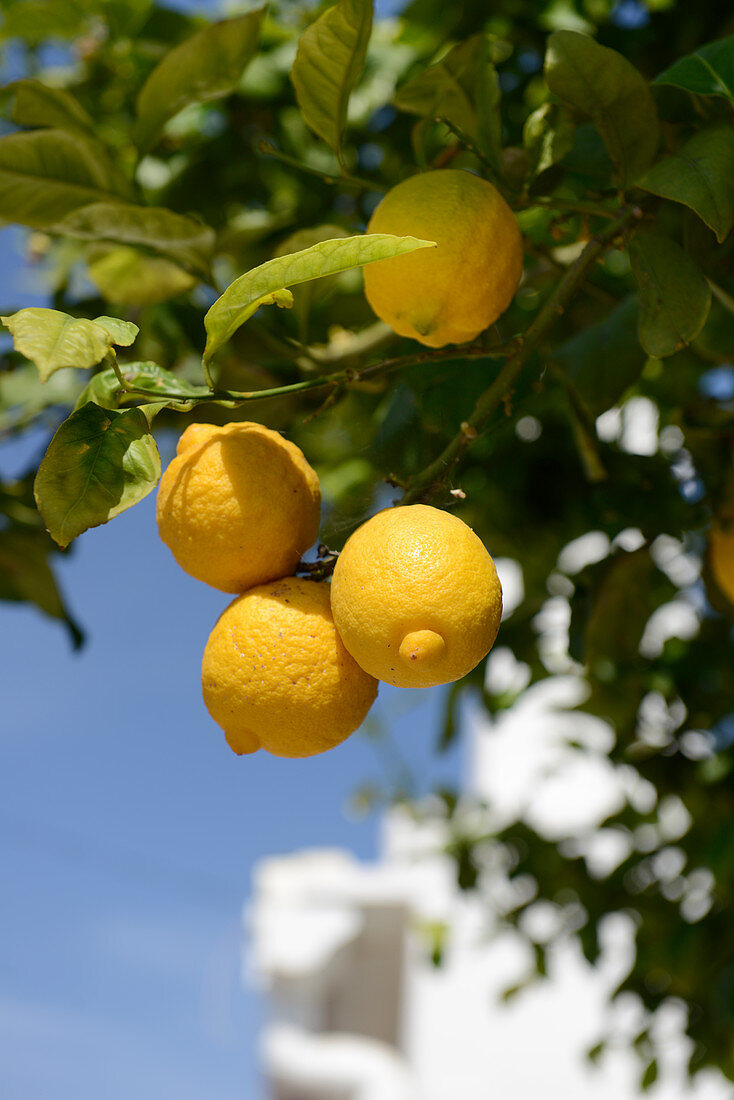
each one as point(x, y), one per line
point(182, 239)
point(52, 339)
point(265, 285)
point(708, 71)
point(700, 175)
point(207, 66)
point(26, 575)
point(329, 62)
point(463, 88)
point(605, 359)
point(37, 104)
point(129, 277)
point(548, 135)
point(600, 83)
point(674, 295)
point(98, 464)
point(104, 388)
point(47, 174)
point(650, 1075)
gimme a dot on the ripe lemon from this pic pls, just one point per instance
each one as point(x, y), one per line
point(721, 555)
point(276, 675)
point(416, 597)
point(238, 505)
point(448, 294)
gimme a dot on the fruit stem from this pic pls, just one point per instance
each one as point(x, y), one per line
point(427, 483)
point(343, 180)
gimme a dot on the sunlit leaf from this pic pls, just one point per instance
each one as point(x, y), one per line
point(52, 339)
point(548, 135)
point(180, 238)
point(98, 464)
point(463, 88)
point(708, 71)
point(329, 62)
point(207, 66)
point(674, 295)
point(265, 285)
point(700, 175)
point(127, 276)
point(602, 84)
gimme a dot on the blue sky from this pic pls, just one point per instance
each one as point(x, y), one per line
point(128, 830)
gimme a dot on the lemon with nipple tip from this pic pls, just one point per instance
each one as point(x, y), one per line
point(416, 597)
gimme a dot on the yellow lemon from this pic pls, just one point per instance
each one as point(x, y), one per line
point(238, 505)
point(416, 597)
point(276, 675)
point(721, 555)
point(448, 294)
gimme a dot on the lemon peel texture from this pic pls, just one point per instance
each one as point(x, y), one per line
point(276, 675)
point(238, 505)
point(416, 597)
point(446, 295)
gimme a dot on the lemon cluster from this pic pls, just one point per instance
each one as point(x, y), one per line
point(237, 507)
point(292, 665)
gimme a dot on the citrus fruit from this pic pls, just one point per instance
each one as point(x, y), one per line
point(448, 294)
point(721, 555)
point(276, 675)
point(238, 505)
point(415, 597)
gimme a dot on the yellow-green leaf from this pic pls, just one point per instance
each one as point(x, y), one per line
point(463, 88)
point(99, 463)
point(47, 174)
point(182, 239)
point(265, 285)
point(52, 339)
point(37, 104)
point(329, 62)
point(208, 65)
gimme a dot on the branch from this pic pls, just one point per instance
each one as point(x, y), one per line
point(347, 375)
point(426, 483)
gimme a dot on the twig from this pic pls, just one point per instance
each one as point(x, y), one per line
point(343, 180)
point(425, 484)
point(348, 375)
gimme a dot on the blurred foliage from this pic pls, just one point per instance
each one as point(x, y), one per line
point(149, 177)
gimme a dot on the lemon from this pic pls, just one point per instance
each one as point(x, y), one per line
point(416, 597)
point(276, 675)
point(448, 294)
point(238, 505)
point(721, 555)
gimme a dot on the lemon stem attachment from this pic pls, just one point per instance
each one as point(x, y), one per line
point(422, 647)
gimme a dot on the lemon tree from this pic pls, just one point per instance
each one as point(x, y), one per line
point(537, 346)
